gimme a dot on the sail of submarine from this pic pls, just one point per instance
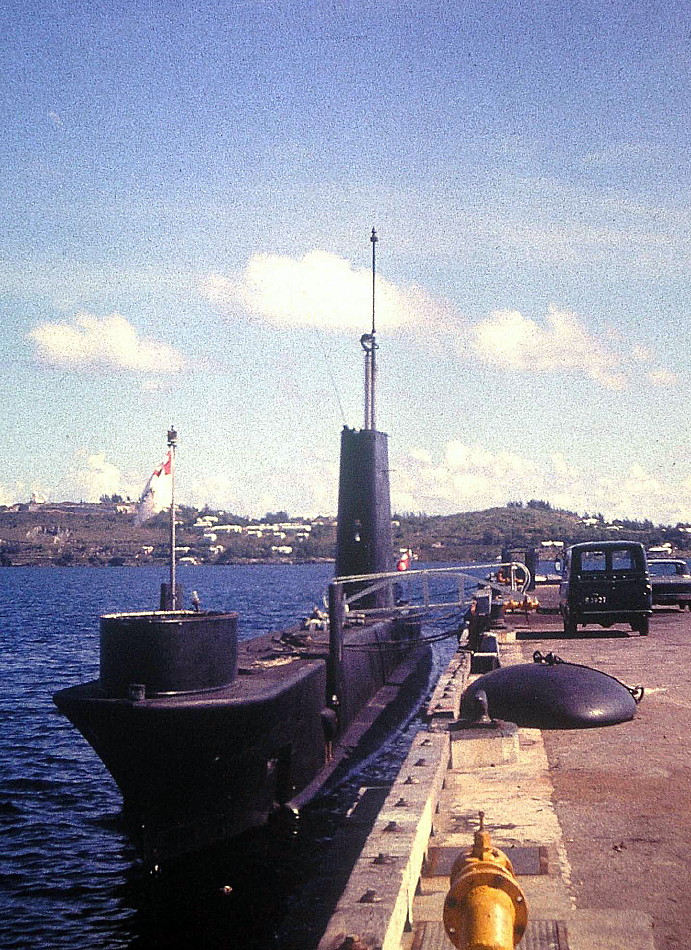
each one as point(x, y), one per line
point(364, 539)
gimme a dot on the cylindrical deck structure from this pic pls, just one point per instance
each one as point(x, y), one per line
point(164, 652)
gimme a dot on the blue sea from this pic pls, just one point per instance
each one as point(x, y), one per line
point(68, 875)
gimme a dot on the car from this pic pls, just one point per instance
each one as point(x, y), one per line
point(605, 582)
point(671, 581)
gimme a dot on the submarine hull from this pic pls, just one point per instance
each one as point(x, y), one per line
point(196, 768)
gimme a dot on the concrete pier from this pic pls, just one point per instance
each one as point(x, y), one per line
point(597, 822)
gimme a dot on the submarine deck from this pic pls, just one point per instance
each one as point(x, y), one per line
point(262, 667)
point(597, 821)
point(266, 665)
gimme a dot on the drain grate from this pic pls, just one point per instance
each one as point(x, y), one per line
point(545, 935)
point(525, 860)
point(539, 935)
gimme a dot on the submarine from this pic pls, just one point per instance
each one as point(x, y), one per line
point(207, 736)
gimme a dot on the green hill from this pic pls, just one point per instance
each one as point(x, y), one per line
point(105, 534)
point(481, 535)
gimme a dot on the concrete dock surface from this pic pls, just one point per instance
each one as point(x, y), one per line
point(597, 822)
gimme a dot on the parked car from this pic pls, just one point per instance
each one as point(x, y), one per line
point(671, 581)
point(605, 582)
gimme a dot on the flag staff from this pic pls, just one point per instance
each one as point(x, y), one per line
point(172, 443)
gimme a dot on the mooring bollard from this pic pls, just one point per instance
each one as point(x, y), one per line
point(485, 908)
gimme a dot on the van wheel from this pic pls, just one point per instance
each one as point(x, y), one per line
point(644, 626)
point(570, 626)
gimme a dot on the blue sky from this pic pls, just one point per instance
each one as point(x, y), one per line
point(187, 193)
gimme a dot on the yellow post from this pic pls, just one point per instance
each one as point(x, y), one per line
point(485, 908)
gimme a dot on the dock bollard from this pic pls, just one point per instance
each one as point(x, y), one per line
point(485, 908)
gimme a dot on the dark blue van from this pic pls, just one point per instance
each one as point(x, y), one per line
point(605, 582)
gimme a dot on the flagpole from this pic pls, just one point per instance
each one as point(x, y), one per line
point(172, 443)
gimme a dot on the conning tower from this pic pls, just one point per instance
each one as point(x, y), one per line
point(364, 539)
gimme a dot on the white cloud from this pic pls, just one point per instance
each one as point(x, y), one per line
point(662, 377)
point(10, 495)
point(320, 289)
point(641, 354)
point(324, 290)
point(468, 477)
point(562, 344)
point(312, 495)
point(99, 477)
point(107, 342)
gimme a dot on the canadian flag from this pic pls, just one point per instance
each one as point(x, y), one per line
point(158, 491)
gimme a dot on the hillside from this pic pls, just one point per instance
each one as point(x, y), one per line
point(481, 535)
point(105, 534)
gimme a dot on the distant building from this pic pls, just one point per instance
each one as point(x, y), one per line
point(206, 521)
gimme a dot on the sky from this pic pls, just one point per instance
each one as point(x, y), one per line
point(187, 195)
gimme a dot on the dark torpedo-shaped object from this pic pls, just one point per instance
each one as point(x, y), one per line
point(553, 694)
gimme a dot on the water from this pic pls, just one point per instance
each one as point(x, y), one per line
point(68, 874)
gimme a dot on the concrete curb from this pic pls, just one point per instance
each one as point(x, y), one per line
point(376, 906)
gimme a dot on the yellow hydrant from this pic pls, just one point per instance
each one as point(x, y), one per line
point(485, 908)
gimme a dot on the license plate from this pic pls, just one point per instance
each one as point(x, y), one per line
point(592, 600)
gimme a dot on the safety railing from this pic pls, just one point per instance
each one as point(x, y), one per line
point(421, 591)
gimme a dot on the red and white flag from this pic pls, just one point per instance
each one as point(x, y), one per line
point(158, 491)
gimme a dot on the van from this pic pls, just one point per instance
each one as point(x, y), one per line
point(605, 582)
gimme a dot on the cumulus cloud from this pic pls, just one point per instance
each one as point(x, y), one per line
point(320, 289)
point(313, 495)
point(621, 153)
point(562, 344)
point(662, 377)
point(99, 477)
point(324, 290)
point(107, 342)
point(469, 477)
point(11, 494)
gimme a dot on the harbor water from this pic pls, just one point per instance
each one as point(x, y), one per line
point(68, 875)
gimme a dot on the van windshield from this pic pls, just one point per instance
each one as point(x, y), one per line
point(667, 568)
